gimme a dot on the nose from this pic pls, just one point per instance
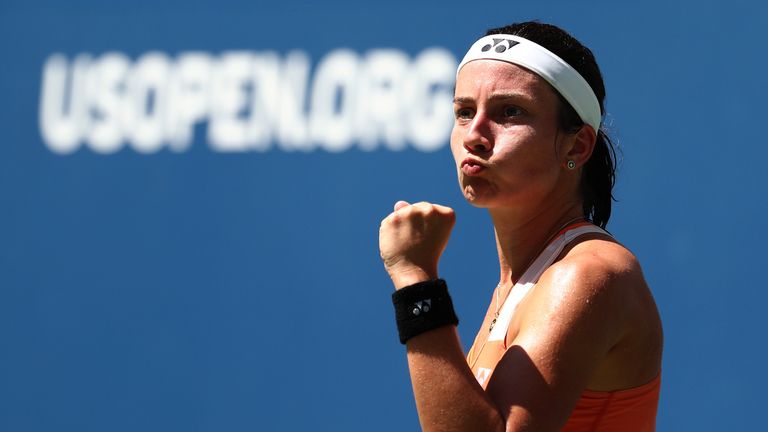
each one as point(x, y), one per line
point(478, 138)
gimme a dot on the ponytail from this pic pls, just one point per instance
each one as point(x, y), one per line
point(597, 180)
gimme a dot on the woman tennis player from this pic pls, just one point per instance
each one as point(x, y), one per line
point(572, 339)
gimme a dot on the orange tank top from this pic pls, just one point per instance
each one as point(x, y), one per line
point(631, 410)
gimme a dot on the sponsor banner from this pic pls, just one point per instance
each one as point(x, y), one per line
point(248, 101)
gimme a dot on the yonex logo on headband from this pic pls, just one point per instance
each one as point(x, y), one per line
point(499, 47)
point(544, 63)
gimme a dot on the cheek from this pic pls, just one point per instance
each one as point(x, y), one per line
point(530, 154)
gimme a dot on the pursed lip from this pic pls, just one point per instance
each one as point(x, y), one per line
point(472, 167)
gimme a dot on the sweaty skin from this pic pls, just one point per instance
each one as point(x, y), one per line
point(590, 323)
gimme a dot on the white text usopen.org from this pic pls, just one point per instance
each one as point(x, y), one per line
point(248, 101)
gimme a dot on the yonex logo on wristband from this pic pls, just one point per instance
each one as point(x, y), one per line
point(499, 47)
point(422, 306)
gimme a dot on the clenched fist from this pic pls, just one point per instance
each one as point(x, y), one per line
point(411, 240)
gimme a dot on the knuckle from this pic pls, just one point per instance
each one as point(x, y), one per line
point(423, 205)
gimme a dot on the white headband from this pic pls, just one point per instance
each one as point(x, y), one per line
point(541, 61)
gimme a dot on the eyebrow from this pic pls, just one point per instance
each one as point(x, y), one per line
point(496, 97)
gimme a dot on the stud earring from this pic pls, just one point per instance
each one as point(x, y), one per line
point(571, 164)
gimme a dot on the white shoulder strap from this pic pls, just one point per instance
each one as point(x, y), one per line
point(532, 275)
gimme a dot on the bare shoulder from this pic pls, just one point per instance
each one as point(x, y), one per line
point(598, 286)
point(594, 268)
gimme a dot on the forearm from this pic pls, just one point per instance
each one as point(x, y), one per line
point(448, 398)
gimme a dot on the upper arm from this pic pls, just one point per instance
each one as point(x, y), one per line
point(570, 321)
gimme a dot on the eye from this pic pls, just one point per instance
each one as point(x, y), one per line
point(512, 111)
point(464, 113)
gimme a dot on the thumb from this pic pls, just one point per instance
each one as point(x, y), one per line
point(401, 204)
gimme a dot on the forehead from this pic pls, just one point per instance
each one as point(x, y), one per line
point(482, 78)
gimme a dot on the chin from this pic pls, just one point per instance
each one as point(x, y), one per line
point(475, 197)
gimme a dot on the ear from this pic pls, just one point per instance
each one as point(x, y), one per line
point(582, 145)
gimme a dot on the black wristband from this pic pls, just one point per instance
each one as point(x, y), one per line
point(422, 307)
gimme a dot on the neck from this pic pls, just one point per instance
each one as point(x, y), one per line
point(520, 237)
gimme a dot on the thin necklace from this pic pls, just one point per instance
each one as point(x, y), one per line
point(476, 356)
point(498, 287)
point(496, 314)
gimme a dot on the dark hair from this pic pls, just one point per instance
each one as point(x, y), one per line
point(599, 173)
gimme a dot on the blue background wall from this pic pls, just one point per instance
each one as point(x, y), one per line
point(211, 291)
